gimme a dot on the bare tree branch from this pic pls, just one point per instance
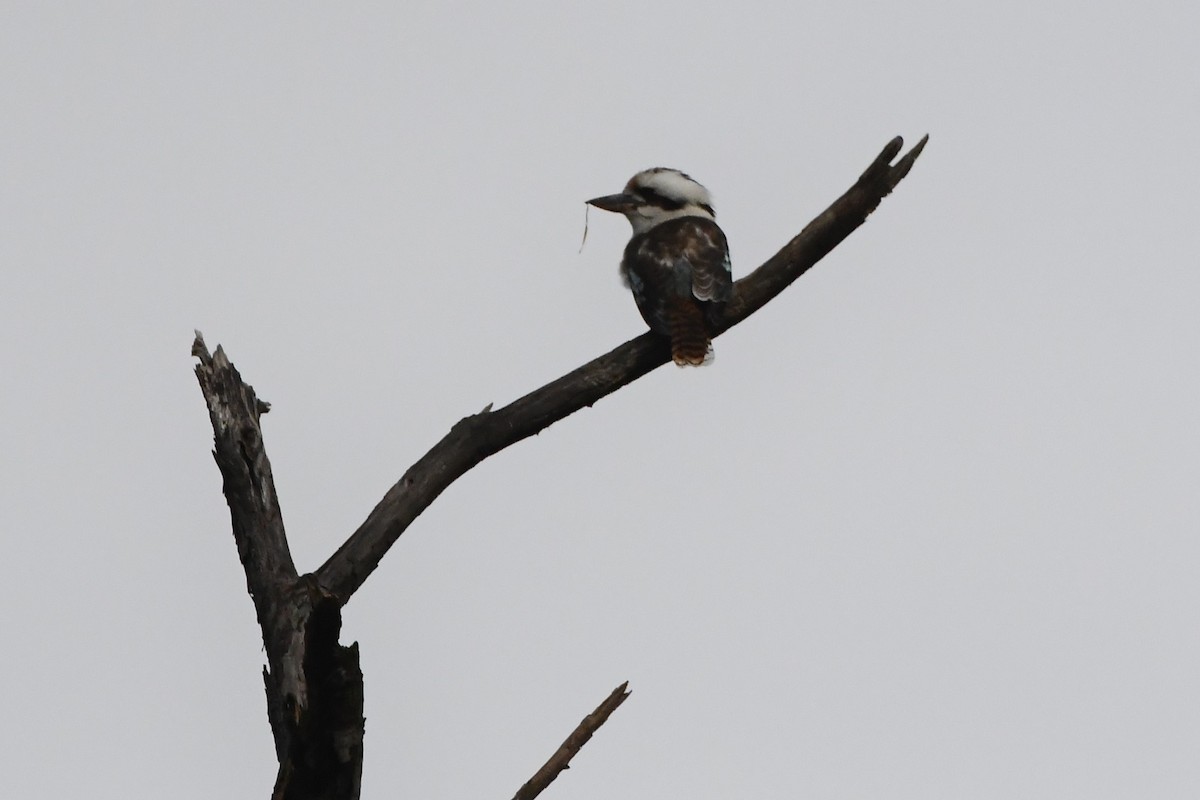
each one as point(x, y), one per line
point(579, 737)
point(314, 685)
point(249, 488)
point(476, 437)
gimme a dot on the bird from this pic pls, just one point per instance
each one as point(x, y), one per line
point(677, 263)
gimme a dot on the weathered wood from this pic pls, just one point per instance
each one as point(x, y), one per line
point(313, 684)
point(561, 759)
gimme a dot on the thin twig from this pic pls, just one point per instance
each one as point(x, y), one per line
point(579, 737)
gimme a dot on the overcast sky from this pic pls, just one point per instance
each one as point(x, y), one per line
point(928, 527)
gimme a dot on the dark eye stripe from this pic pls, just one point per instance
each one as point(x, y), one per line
point(659, 200)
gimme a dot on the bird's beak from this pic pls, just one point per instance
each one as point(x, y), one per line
point(619, 203)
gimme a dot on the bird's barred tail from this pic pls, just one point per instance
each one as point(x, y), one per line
point(690, 343)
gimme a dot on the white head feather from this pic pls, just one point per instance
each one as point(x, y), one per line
point(668, 194)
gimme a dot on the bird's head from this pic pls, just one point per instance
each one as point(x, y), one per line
point(656, 195)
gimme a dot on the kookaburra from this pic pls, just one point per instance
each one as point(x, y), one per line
point(677, 263)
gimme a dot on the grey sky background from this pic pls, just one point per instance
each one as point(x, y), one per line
point(927, 527)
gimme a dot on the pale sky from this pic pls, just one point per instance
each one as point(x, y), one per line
point(927, 528)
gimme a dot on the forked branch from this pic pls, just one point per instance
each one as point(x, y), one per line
point(313, 683)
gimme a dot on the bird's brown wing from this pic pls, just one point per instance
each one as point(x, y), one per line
point(703, 245)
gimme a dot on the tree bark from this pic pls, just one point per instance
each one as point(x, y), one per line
point(314, 685)
point(561, 759)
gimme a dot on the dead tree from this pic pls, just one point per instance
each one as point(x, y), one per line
point(314, 684)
